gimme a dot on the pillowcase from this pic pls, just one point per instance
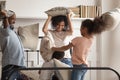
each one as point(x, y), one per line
point(62, 74)
point(47, 43)
point(58, 11)
point(30, 74)
point(47, 74)
point(29, 35)
point(111, 18)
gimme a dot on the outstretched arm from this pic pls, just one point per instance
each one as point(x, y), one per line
point(63, 48)
point(5, 19)
point(45, 27)
point(70, 23)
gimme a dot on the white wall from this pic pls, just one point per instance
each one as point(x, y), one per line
point(110, 44)
point(36, 8)
point(110, 52)
point(109, 4)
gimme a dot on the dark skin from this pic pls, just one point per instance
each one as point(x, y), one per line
point(60, 26)
point(8, 20)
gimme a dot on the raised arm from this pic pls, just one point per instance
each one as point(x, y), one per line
point(5, 19)
point(70, 23)
point(45, 27)
point(63, 48)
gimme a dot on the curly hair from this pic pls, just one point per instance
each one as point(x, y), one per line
point(57, 19)
point(95, 26)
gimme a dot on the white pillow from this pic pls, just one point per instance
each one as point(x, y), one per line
point(62, 74)
point(111, 18)
point(58, 11)
point(29, 35)
point(47, 43)
point(31, 74)
point(47, 74)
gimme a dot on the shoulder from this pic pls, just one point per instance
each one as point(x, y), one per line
point(77, 39)
point(5, 31)
point(51, 31)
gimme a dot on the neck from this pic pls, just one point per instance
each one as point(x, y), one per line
point(11, 27)
point(88, 36)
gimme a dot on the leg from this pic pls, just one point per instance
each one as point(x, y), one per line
point(47, 74)
point(7, 71)
point(16, 76)
point(82, 77)
point(67, 61)
point(78, 74)
point(10, 72)
point(54, 77)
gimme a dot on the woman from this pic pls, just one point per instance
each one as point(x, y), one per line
point(61, 29)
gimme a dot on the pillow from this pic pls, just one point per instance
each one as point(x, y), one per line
point(62, 74)
point(111, 18)
point(47, 43)
point(47, 74)
point(29, 35)
point(30, 74)
point(58, 11)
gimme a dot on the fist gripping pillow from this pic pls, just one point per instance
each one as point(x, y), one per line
point(58, 11)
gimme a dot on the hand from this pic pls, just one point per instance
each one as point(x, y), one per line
point(49, 16)
point(53, 48)
point(69, 14)
point(3, 13)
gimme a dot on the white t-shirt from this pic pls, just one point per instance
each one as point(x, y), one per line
point(61, 38)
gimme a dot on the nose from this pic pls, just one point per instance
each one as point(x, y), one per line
point(58, 26)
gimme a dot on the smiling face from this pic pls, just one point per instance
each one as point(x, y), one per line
point(12, 19)
point(59, 23)
point(60, 26)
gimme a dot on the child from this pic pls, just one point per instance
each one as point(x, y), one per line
point(81, 45)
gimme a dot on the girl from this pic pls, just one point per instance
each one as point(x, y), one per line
point(81, 45)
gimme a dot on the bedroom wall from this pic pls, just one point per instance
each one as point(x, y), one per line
point(109, 4)
point(36, 8)
point(109, 44)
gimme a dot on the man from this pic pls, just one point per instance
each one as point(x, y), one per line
point(11, 47)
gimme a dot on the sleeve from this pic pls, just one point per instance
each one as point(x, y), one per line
point(4, 31)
